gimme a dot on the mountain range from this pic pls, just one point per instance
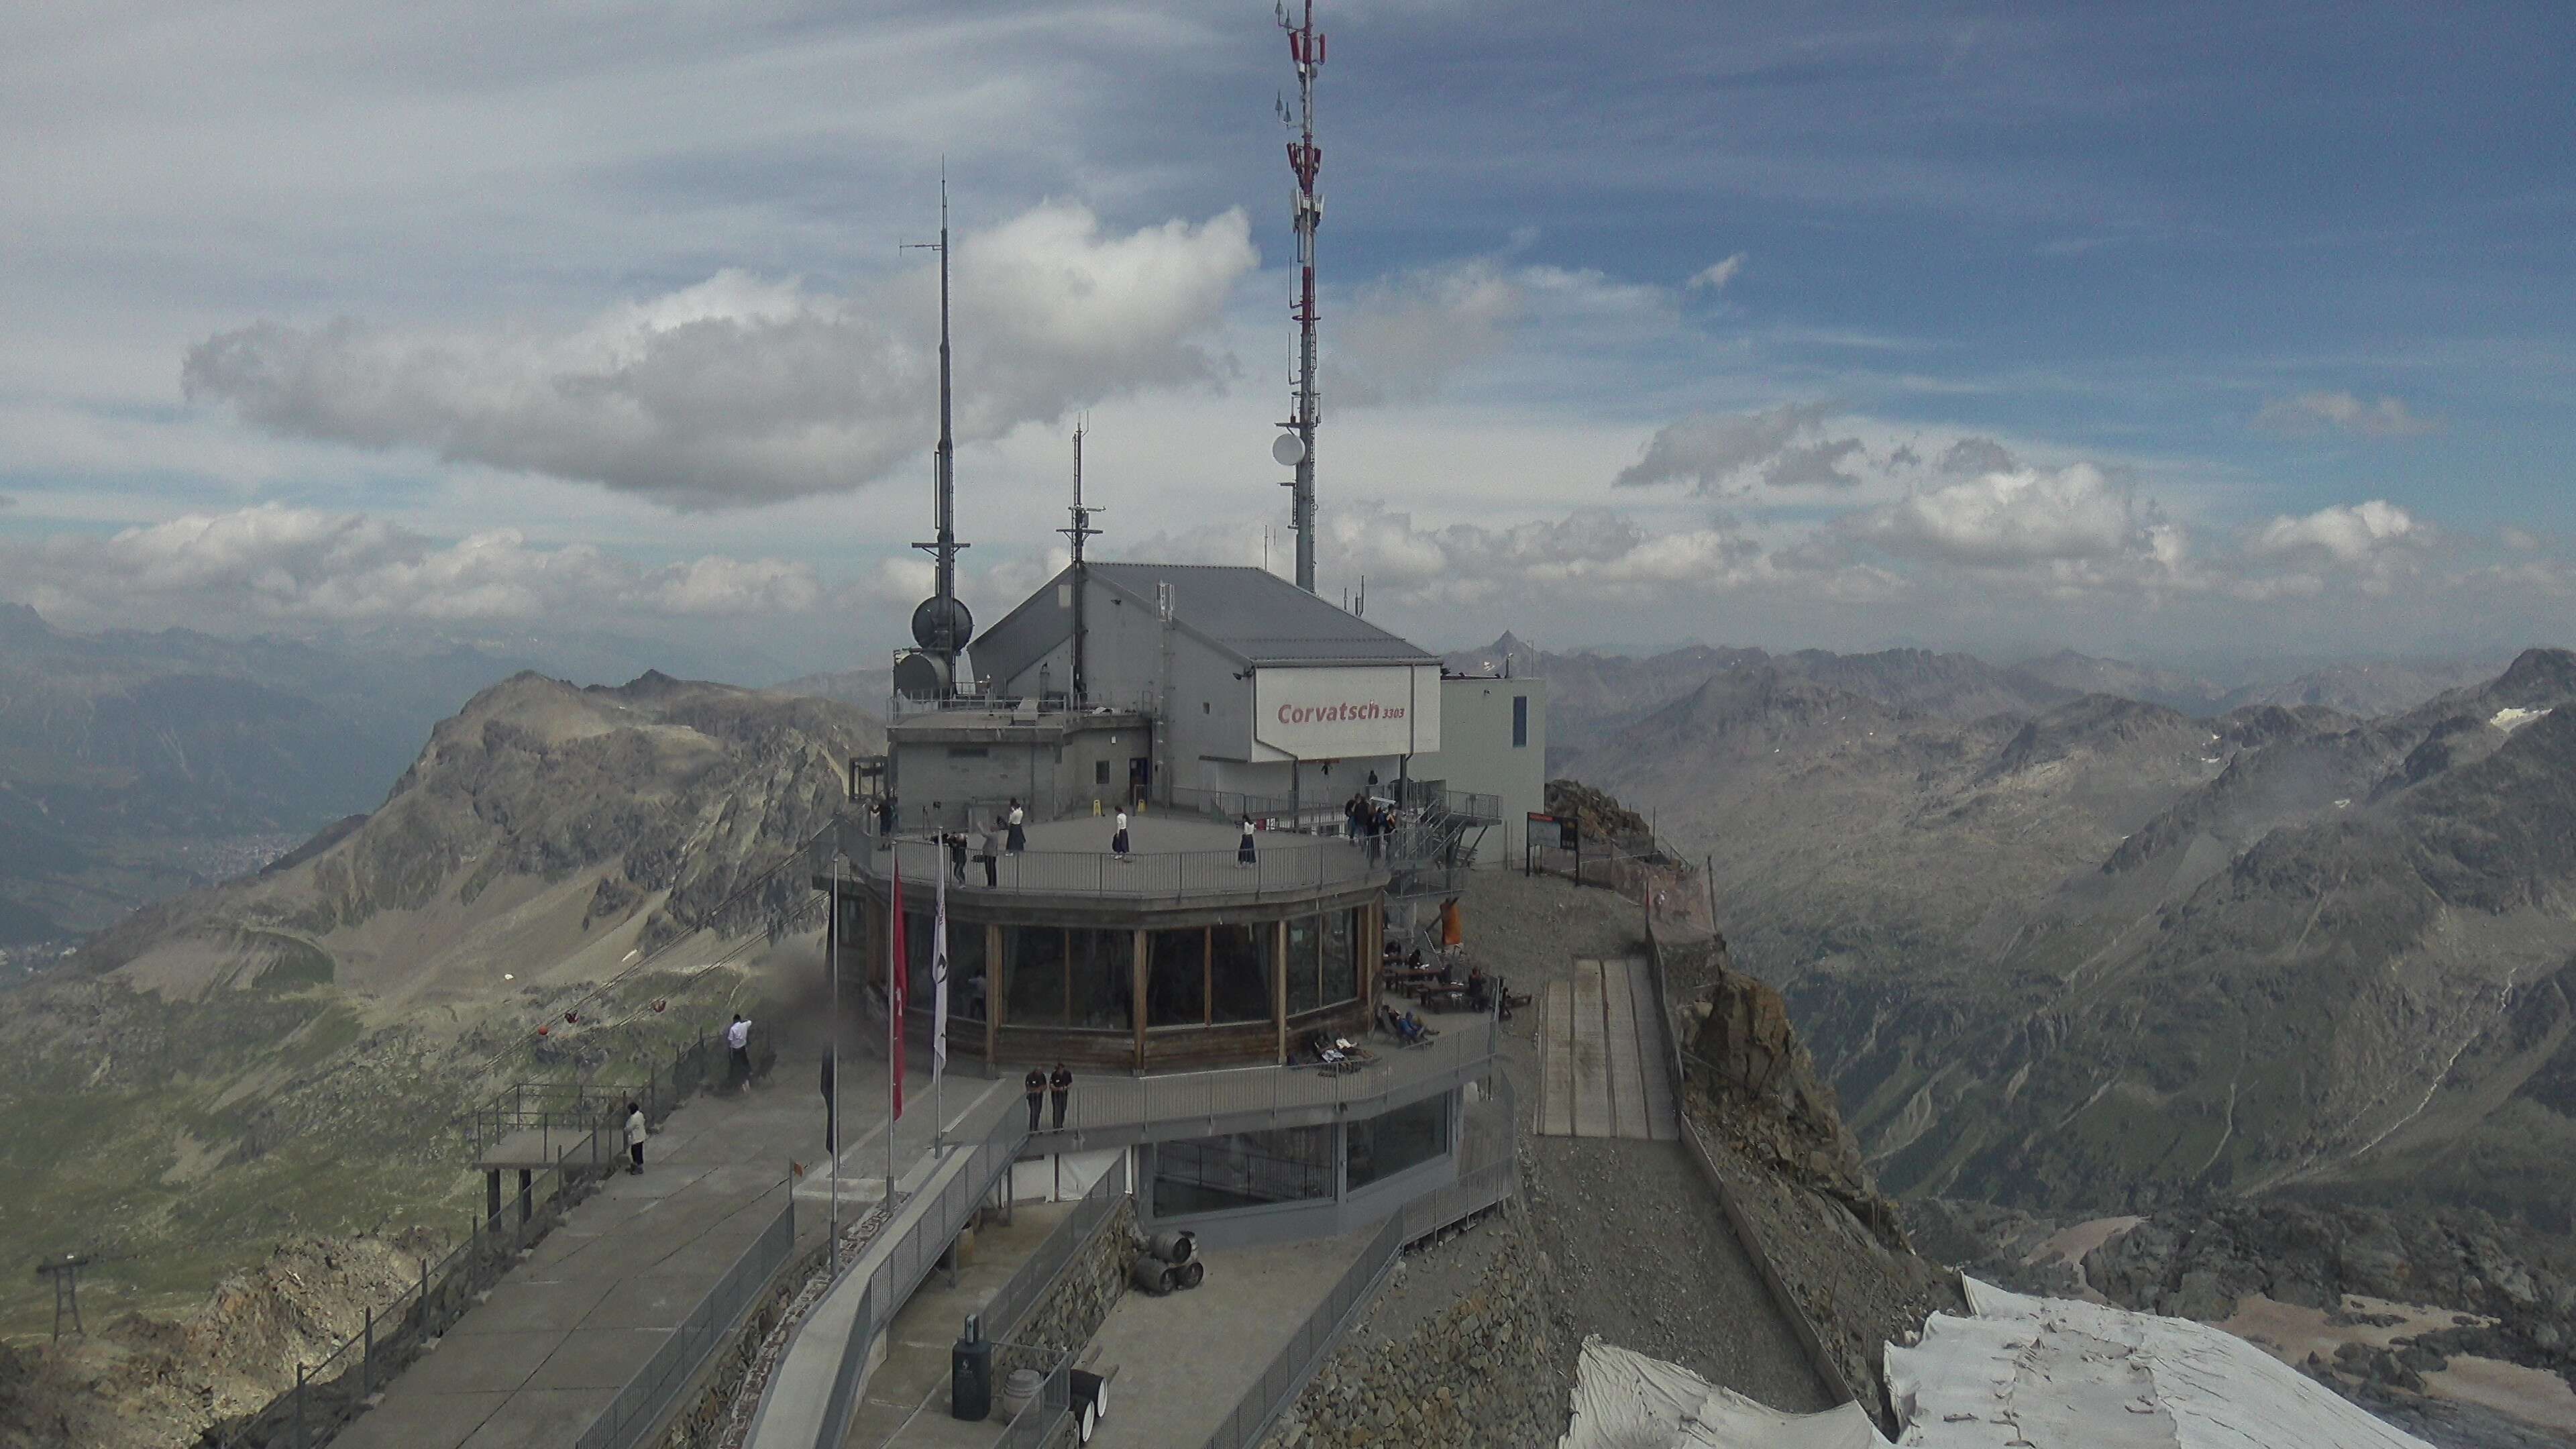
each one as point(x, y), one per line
point(2102, 953)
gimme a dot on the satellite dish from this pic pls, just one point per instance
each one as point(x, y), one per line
point(920, 676)
point(942, 624)
point(1289, 449)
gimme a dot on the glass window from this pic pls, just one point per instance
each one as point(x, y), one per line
point(967, 983)
point(1103, 968)
point(1520, 721)
point(1303, 994)
point(1176, 978)
point(916, 960)
point(1244, 1169)
point(1239, 972)
point(1033, 975)
point(1385, 1145)
point(1341, 964)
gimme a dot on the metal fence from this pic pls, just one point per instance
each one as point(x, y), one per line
point(331, 1392)
point(1033, 1426)
point(1480, 1186)
point(576, 1107)
point(1109, 1111)
point(910, 1260)
point(648, 1395)
point(1030, 1281)
point(1280, 866)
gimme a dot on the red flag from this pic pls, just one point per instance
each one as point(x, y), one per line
point(894, 996)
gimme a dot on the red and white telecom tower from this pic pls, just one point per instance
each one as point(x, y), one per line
point(1305, 160)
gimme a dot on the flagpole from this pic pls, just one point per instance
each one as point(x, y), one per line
point(895, 968)
point(832, 1055)
point(938, 1013)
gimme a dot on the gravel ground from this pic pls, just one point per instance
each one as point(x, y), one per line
point(1643, 1254)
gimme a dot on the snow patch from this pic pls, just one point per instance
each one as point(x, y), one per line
point(2509, 719)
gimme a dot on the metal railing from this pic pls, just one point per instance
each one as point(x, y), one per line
point(648, 1395)
point(577, 1107)
point(1471, 805)
point(1279, 867)
point(910, 1259)
point(1034, 1426)
point(1031, 1280)
point(332, 1391)
point(1110, 1111)
point(1478, 1187)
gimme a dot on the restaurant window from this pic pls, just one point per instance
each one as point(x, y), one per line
point(1102, 976)
point(1033, 975)
point(1520, 721)
point(1242, 1169)
point(1387, 1144)
point(1176, 978)
point(1305, 991)
point(967, 981)
point(1239, 972)
point(1341, 957)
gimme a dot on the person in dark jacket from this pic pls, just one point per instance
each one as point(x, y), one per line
point(1037, 1085)
point(1062, 1085)
point(831, 1127)
point(957, 856)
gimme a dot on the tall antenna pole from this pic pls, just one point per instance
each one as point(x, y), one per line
point(1305, 160)
point(941, 625)
point(1080, 530)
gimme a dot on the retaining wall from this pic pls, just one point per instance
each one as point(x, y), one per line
point(1073, 1307)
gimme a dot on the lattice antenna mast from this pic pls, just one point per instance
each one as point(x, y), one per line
point(941, 625)
point(1080, 530)
point(1305, 162)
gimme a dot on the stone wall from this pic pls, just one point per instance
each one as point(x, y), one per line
point(1478, 1372)
point(1077, 1303)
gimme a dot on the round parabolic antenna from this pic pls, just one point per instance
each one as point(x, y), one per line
point(1289, 449)
point(920, 676)
point(942, 624)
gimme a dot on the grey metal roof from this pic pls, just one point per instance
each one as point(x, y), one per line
point(1260, 616)
point(1250, 613)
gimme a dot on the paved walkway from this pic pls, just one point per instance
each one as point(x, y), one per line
point(556, 1338)
point(906, 1401)
point(1184, 1360)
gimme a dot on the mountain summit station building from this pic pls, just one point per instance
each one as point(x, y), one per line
point(1193, 697)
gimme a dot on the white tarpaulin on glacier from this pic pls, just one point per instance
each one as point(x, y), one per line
point(2048, 1373)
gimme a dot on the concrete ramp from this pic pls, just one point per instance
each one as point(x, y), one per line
point(1601, 1045)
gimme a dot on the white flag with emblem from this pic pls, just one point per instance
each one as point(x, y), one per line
point(939, 985)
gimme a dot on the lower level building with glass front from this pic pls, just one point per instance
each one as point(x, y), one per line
point(1177, 955)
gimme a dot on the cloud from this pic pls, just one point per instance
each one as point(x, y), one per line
point(1408, 335)
point(2311, 412)
point(267, 564)
point(7, 502)
point(742, 390)
point(1814, 465)
point(2075, 515)
point(1969, 457)
point(2519, 540)
point(2347, 533)
point(1710, 450)
point(1716, 275)
point(1904, 456)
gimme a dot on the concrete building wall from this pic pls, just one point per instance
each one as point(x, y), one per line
point(1478, 753)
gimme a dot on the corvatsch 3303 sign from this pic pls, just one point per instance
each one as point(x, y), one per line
point(1339, 712)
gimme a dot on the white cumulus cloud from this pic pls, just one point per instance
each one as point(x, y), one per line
point(2006, 519)
point(2311, 412)
point(744, 390)
point(270, 564)
point(1716, 275)
point(2346, 532)
point(1712, 451)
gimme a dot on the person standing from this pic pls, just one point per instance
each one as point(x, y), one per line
point(956, 840)
point(1019, 835)
point(1061, 1085)
point(1036, 1084)
point(992, 856)
point(635, 1138)
point(1118, 835)
point(738, 1049)
point(831, 1124)
point(1243, 849)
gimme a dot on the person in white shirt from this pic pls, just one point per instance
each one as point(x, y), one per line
point(1019, 839)
point(738, 1045)
point(635, 1134)
point(1243, 851)
point(1118, 837)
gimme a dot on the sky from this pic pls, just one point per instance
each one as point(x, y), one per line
point(2169, 331)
